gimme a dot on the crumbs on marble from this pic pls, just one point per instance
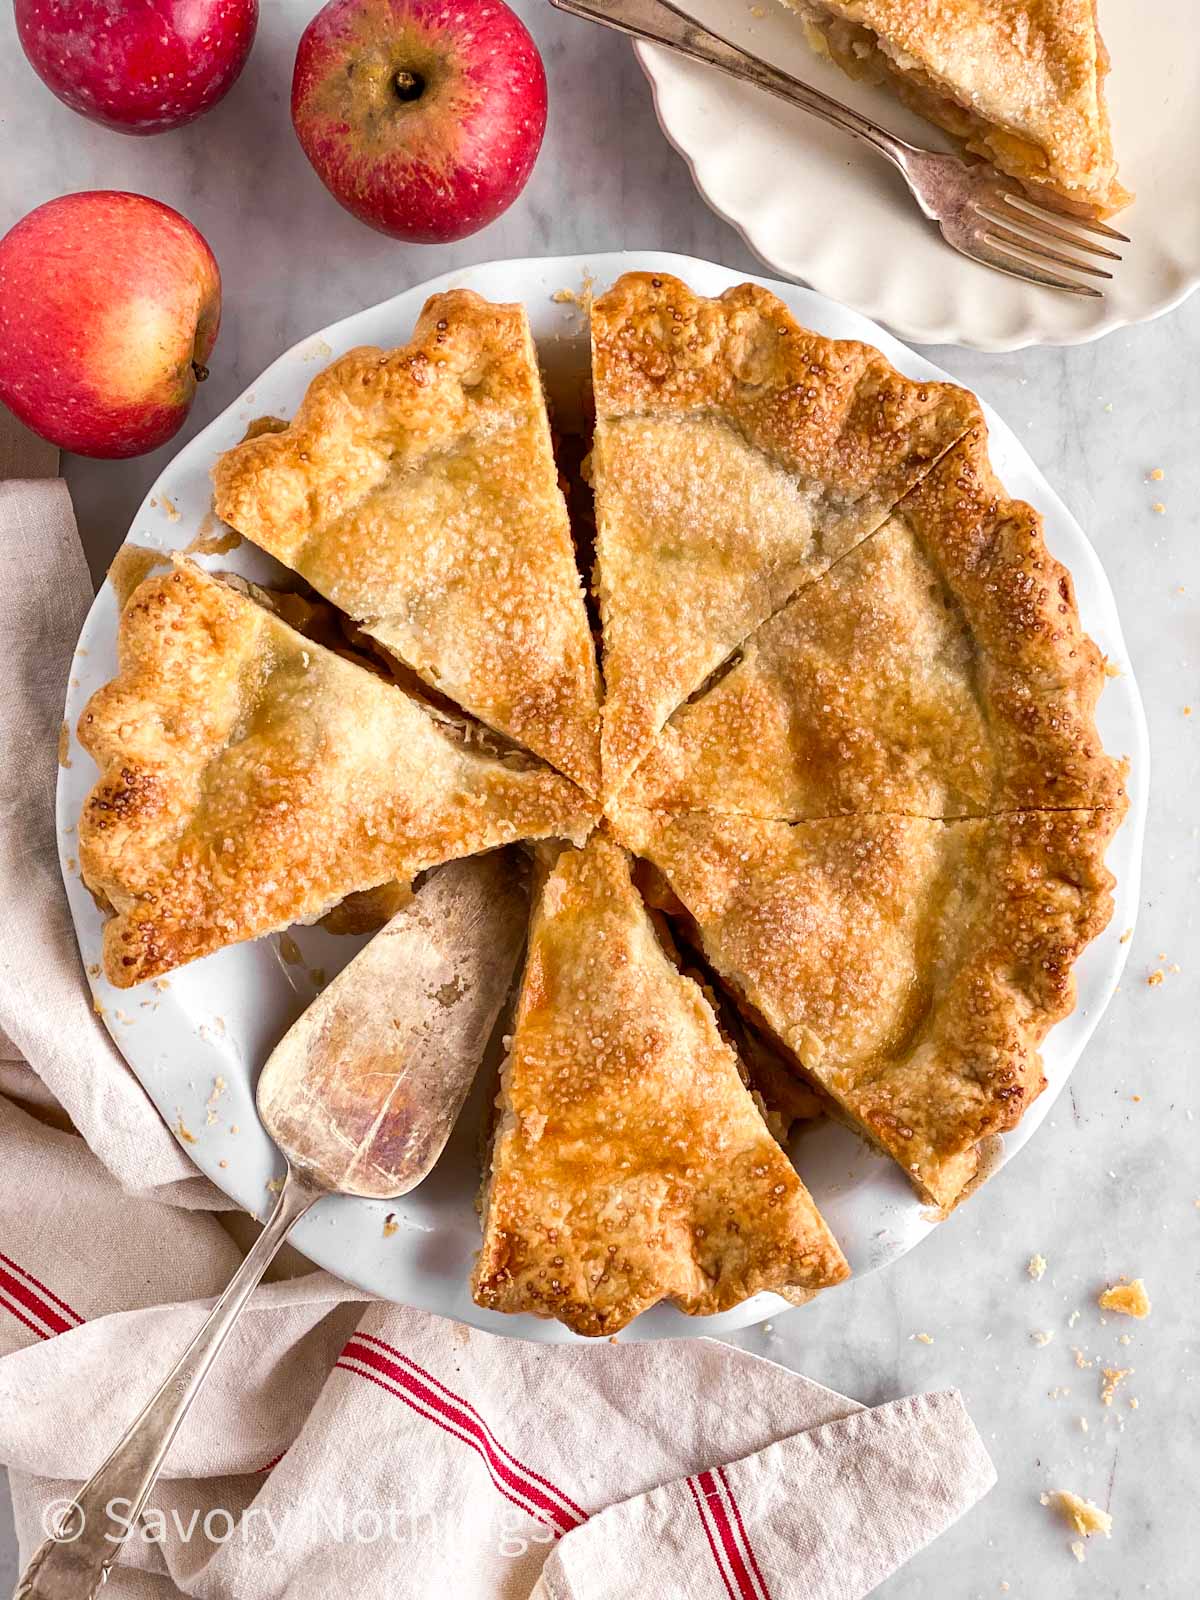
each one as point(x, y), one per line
point(1156, 978)
point(1156, 475)
point(390, 1225)
point(184, 1132)
point(1111, 1381)
point(922, 1338)
point(1041, 1336)
point(1130, 1299)
point(1084, 1518)
point(1081, 1360)
point(1036, 1266)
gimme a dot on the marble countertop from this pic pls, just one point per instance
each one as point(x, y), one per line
point(1112, 1184)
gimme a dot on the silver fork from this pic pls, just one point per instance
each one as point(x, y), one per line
point(981, 213)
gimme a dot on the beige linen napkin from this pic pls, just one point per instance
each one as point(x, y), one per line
point(345, 1446)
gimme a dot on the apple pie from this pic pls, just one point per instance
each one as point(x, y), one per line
point(416, 489)
point(1020, 82)
point(736, 457)
point(827, 835)
point(251, 779)
point(630, 1163)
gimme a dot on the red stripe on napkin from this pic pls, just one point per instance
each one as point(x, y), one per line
point(460, 1400)
point(454, 1417)
point(24, 1297)
point(700, 1512)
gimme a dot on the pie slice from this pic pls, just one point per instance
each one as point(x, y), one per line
point(910, 967)
point(251, 779)
point(938, 670)
point(416, 489)
point(630, 1163)
point(736, 457)
point(1021, 82)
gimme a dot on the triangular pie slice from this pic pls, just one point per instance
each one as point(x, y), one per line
point(737, 455)
point(630, 1163)
point(912, 968)
point(251, 779)
point(1021, 82)
point(416, 489)
point(938, 670)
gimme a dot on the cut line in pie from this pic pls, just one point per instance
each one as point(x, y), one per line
point(938, 670)
point(737, 456)
point(847, 725)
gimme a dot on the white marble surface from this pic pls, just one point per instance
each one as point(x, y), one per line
point(1112, 1184)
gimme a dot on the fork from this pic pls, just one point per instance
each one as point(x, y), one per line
point(980, 213)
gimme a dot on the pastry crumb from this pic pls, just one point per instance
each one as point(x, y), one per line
point(1080, 1359)
point(1077, 1549)
point(1111, 669)
point(1083, 1424)
point(1158, 508)
point(1113, 1377)
point(922, 1338)
point(1084, 1517)
point(1155, 978)
point(1157, 474)
point(390, 1225)
point(1127, 935)
point(1036, 1267)
point(1072, 1319)
point(183, 1131)
point(1041, 1336)
point(1130, 1299)
point(170, 508)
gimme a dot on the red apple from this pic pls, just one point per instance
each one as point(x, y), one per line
point(140, 66)
point(422, 117)
point(109, 308)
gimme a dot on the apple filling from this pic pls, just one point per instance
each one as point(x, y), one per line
point(869, 57)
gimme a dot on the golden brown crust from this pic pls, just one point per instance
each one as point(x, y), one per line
point(416, 489)
point(737, 455)
point(938, 670)
point(630, 1163)
point(1020, 81)
point(251, 779)
point(911, 967)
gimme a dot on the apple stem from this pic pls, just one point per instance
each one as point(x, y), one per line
point(408, 85)
point(200, 371)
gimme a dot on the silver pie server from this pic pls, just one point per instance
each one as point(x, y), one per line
point(360, 1096)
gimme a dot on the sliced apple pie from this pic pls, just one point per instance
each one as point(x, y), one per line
point(630, 1163)
point(1020, 82)
point(417, 490)
point(251, 779)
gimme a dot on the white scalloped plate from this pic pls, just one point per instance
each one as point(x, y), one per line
point(814, 204)
point(220, 1017)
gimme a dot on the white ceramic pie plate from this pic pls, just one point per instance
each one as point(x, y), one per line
point(220, 1017)
point(814, 204)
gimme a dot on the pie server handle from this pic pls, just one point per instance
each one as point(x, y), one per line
point(75, 1560)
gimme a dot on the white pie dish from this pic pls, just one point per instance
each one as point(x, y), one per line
point(218, 1018)
point(814, 204)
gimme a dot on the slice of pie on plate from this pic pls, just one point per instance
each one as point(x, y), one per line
point(251, 779)
point(737, 456)
point(416, 489)
point(630, 1163)
point(912, 968)
point(938, 670)
point(1021, 82)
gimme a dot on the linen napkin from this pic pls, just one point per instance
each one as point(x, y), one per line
point(343, 1445)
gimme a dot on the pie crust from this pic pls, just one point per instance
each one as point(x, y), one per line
point(938, 670)
point(417, 490)
point(252, 779)
point(1020, 82)
point(912, 967)
point(737, 456)
point(630, 1163)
